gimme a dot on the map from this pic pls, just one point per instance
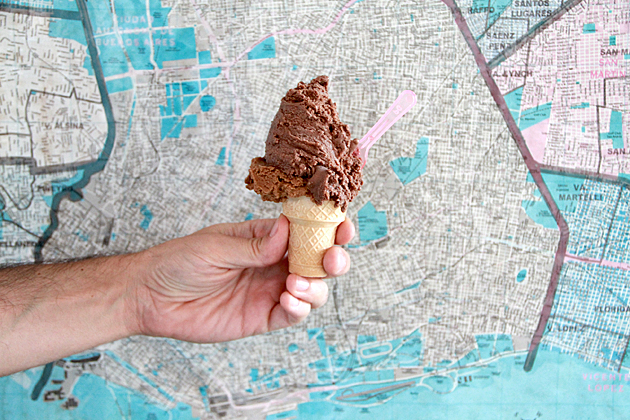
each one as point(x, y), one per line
point(491, 269)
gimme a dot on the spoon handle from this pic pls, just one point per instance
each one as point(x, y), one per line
point(405, 101)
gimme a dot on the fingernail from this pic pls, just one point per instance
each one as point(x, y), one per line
point(293, 301)
point(301, 284)
point(341, 262)
point(274, 229)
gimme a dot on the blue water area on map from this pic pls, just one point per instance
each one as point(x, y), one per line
point(119, 85)
point(588, 28)
point(267, 381)
point(470, 357)
point(100, 16)
point(586, 205)
point(371, 361)
point(611, 355)
point(318, 334)
point(615, 132)
point(64, 28)
point(188, 99)
point(138, 49)
point(499, 7)
point(98, 399)
point(362, 339)
point(538, 211)
point(82, 236)
point(59, 185)
point(407, 169)
point(190, 87)
point(191, 121)
point(171, 127)
point(207, 102)
point(221, 158)
point(112, 56)
point(159, 14)
point(131, 14)
point(179, 96)
point(555, 388)
point(293, 414)
point(148, 216)
point(204, 57)
point(533, 116)
point(312, 332)
point(70, 5)
point(372, 223)
point(513, 102)
point(612, 40)
point(492, 344)
point(559, 186)
point(440, 384)
point(209, 73)
point(521, 276)
point(174, 44)
point(410, 287)
point(137, 373)
point(87, 64)
point(266, 49)
point(583, 105)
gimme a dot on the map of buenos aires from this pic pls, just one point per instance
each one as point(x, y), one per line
point(490, 268)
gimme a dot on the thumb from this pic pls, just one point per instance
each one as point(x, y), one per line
point(263, 251)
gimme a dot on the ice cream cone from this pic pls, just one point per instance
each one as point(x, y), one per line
point(312, 231)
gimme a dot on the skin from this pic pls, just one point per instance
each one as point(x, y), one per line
point(221, 283)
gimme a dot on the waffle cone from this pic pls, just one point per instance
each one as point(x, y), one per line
point(312, 231)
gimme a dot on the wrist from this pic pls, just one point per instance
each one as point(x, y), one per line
point(138, 268)
point(103, 294)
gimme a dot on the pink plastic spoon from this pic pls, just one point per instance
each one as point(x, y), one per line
point(401, 105)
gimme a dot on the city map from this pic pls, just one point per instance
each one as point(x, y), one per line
point(490, 270)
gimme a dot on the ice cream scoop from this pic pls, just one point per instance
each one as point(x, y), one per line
point(405, 101)
point(308, 151)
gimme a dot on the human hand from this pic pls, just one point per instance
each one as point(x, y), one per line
point(229, 281)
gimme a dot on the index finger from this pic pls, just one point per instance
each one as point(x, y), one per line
point(345, 232)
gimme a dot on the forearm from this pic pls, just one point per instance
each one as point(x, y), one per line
point(49, 311)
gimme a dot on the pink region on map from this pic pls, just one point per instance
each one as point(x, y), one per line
point(603, 263)
point(536, 139)
point(579, 63)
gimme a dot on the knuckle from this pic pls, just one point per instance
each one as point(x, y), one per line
point(258, 250)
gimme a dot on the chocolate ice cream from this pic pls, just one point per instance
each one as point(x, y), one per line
point(308, 152)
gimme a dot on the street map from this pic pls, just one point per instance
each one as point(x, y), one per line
point(491, 270)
